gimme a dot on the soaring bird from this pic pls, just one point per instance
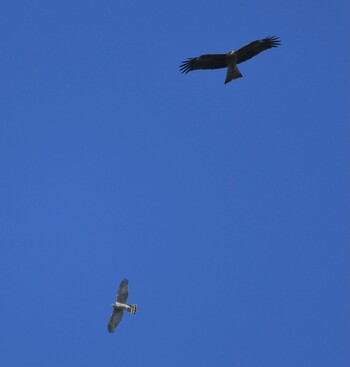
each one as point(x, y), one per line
point(231, 59)
point(120, 306)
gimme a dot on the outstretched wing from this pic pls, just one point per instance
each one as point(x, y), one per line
point(123, 291)
point(210, 61)
point(254, 48)
point(115, 319)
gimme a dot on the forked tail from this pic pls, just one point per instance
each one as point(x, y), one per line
point(232, 72)
point(133, 309)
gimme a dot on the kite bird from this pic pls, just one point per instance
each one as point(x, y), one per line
point(231, 59)
point(120, 306)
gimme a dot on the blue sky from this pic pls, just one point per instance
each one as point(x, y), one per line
point(226, 206)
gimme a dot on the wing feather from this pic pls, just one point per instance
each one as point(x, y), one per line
point(255, 47)
point(209, 61)
point(123, 291)
point(115, 319)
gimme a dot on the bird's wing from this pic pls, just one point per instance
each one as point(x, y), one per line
point(254, 48)
point(210, 61)
point(123, 291)
point(115, 319)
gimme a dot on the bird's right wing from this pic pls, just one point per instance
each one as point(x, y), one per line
point(115, 319)
point(209, 61)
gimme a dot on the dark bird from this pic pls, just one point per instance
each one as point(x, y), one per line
point(231, 59)
point(120, 306)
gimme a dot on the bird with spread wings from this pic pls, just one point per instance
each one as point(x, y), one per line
point(120, 306)
point(231, 59)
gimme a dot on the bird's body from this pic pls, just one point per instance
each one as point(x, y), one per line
point(120, 305)
point(229, 60)
point(124, 307)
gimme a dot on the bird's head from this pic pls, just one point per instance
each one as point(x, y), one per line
point(232, 55)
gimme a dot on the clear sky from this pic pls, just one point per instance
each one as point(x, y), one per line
point(226, 206)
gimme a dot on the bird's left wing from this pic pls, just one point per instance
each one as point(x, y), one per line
point(123, 291)
point(255, 47)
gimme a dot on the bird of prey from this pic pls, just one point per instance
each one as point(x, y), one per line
point(120, 306)
point(231, 59)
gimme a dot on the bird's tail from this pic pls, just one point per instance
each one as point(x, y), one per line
point(232, 72)
point(133, 309)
